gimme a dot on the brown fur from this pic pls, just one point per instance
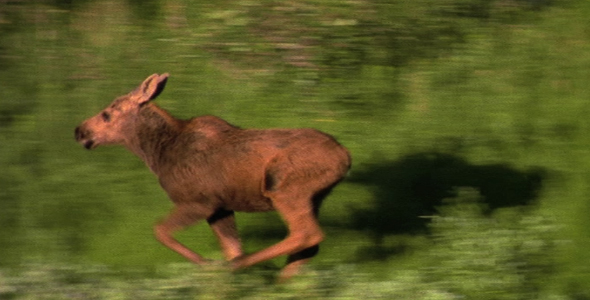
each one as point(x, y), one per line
point(210, 168)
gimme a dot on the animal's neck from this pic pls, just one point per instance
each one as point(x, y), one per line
point(155, 130)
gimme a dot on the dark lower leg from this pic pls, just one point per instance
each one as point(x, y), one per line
point(296, 261)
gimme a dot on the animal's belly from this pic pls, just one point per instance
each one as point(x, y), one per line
point(249, 204)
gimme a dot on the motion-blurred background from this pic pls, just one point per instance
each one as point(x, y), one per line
point(468, 123)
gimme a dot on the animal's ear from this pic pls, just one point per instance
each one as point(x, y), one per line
point(150, 88)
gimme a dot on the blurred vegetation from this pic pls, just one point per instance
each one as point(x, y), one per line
point(466, 120)
point(471, 256)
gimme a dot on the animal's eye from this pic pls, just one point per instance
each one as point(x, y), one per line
point(106, 116)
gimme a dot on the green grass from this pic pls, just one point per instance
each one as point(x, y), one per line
point(471, 256)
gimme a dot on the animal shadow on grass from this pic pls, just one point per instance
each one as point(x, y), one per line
point(407, 189)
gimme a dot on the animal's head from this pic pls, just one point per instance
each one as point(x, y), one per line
point(112, 124)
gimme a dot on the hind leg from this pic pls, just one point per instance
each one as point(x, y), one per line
point(297, 260)
point(300, 215)
point(304, 231)
point(296, 194)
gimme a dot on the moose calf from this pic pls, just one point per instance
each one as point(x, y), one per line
point(210, 168)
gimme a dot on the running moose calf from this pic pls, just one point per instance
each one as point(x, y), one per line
point(210, 168)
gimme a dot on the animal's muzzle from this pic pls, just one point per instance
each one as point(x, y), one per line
point(81, 137)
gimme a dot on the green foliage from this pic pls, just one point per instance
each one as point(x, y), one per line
point(507, 256)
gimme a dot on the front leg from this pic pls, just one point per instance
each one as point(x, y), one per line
point(223, 224)
point(181, 217)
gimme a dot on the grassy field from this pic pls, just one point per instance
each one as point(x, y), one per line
point(466, 121)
